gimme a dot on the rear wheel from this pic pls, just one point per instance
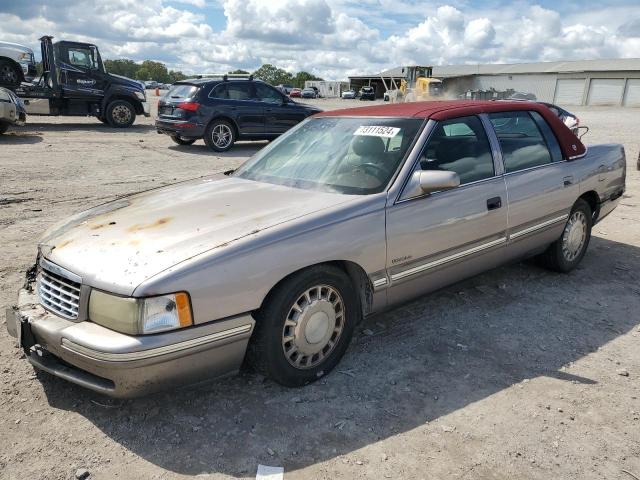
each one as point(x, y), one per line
point(120, 114)
point(305, 326)
point(182, 140)
point(565, 254)
point(220, 136)
point(9, 74)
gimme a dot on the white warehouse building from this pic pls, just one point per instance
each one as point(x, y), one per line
point(584, 82)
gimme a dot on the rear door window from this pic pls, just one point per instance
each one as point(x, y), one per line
point(460, 145)
point(521, 141)
point(549, 136)
point(238, 91)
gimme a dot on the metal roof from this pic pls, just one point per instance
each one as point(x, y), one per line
point(600, 65)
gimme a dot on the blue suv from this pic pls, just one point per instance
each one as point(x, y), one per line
point(224, 110)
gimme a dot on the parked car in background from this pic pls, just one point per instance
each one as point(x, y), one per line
point(349, 213)
point(12, 111)
point(151, 84)
point(17, 64)
point(308, 93)
point(569, 119)
point(223, 110)
point(317, 90)
point(367, 93)
point(349, 94)
point(295, 92)
point(285, 88)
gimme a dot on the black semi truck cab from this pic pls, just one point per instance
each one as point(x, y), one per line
point(74, 82)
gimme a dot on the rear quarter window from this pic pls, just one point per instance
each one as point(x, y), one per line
point(183, 91)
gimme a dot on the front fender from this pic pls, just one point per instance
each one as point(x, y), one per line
point(235, 278)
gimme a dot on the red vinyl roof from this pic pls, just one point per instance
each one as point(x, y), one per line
point(442, 110)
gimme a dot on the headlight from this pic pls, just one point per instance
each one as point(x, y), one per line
point(24, 56)
point(140, 315)
point(141, 95)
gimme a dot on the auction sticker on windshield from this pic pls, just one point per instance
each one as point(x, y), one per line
point(374, 131)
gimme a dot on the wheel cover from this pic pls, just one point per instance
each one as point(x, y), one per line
point(221, 136)
point(313, 327)
point(8, 74)
point(121, 114)
point(574, 236)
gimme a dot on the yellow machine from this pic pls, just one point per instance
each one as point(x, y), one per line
point(418, 85)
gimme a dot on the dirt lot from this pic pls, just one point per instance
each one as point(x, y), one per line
point(518, 373)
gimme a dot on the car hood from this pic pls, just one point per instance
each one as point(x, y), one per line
point(126, 81)
point(119, 245)
point(16, 46)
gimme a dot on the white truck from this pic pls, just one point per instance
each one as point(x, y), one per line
point(17, 64)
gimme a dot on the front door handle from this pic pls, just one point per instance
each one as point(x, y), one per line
point(494, 203)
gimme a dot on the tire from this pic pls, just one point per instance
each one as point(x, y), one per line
point(3, 127)
point(296, 342)
point(220, 136)
point(183, 140)
point(120, 114)
point(565, 254)
point(103, 120)
point(9, 74)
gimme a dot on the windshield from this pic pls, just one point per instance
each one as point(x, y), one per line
point(337, 154)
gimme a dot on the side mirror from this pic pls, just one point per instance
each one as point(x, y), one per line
point(429, 181)
point(436, 180)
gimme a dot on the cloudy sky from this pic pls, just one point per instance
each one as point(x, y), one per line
point(332, 38)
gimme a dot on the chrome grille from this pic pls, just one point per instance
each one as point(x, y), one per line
point(58, 294)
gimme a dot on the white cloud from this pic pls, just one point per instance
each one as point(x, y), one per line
point(330, 38)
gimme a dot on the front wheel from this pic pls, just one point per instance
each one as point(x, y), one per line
point(9, 74)
point(565, 254)
point(182, 140)
point(220, 136)
point(120, 114)
point(305, 326)
point(3, 127)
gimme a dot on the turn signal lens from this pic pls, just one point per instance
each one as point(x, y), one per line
point(189, 106)
point(167, 312)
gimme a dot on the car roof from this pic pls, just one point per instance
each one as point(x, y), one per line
point(207, 80)
point(445, 109)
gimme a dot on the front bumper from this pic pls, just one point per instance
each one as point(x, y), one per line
point(182, 128)
point(125, 366)
point(146, 108)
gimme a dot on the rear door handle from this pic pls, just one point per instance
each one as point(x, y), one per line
point(494, 203)
point(568, 181)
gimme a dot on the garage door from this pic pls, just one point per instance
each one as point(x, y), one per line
point(569, 92)
point(605, 91)
point(632, 96)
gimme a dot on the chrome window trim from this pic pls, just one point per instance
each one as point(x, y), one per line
point(537, 227)
point(447, 259)
point(535, 168)
point(496, 150)
point(155, 352)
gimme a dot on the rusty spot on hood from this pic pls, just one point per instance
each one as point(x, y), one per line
point(146, 226)
point(64, 244)
point(97, 226)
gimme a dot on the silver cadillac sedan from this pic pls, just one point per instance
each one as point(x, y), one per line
point(347, 214)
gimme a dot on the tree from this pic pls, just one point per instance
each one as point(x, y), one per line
point(156, 71)
point(123, 66)
point(301, 77)
point(176, 76)
point(142, 74)
point(273, 75)
point(239, 72)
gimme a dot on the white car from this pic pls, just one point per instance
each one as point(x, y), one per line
point(12, 111)
point(17, 64)
point(349, 94)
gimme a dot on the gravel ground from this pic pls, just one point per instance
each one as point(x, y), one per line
point(517, 373)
